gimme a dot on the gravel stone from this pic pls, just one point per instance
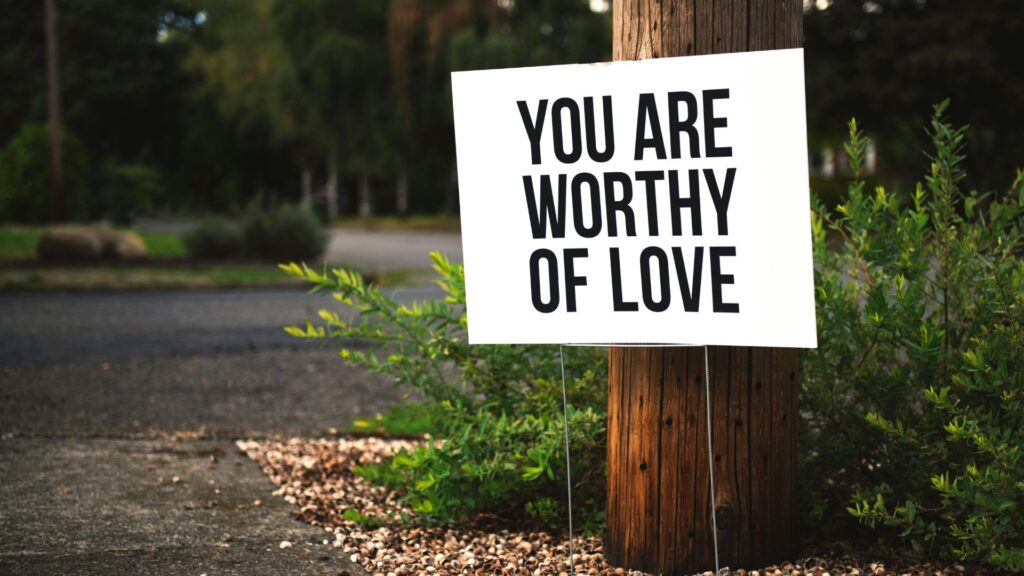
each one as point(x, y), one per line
point(317, 477)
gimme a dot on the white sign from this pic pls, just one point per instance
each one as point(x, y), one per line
point(658, 201)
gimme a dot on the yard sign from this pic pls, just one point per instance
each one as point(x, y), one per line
point(658, 201)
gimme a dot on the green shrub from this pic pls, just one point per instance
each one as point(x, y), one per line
point(913, 401)
point(501, 412)
point(127, 190)
point(406, 419)
point(285, 232)
point(215, 238)
point(25, 194)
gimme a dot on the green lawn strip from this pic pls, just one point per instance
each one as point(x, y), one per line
point(161, 246)
point(18, 243)
point(139, 278)
point(33, 277)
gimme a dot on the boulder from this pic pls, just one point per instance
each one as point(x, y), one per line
point(70, 244)
point(121, 244)
point(129, 246)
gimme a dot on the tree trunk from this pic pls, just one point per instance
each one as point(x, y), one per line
point(402, 190)
point(53, 111)
point(658, 511)
point(307, 185)
point(451, 195)
point(332, 184)
point(365, 207)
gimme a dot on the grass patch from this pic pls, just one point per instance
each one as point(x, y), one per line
point(177, 275)
point(18, 243)
point(166, 266)
point(164, 246)
point(59, 278)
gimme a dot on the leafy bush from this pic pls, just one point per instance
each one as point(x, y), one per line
point(25, 176)
point(501, 412)
point(215, 238)
point(913, 402)
point(285, 232)
point(913, 405)
point(127, 190)
point(405, 419)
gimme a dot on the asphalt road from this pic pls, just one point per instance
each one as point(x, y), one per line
point(378, 250)
point(75, 327)
point(117, 415)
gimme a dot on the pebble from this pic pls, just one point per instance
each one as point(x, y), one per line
point(316, 476)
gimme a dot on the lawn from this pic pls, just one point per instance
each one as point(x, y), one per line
point(165, 267)
point(122, 277)
point(18, 243)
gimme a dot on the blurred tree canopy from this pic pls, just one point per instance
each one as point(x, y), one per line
point(233, 99)
point(886, 61)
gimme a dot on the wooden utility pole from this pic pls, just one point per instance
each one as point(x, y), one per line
point(53, 110)
point(658, 511)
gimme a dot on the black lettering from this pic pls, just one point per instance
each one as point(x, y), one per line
point(546, 214)
point(533, 129)
point(691, 288)
point(571, 279)
point(692, 203)
point(650, 177)
point(676, 126)
point(717, 279)
point(574, 126)
point(613, 205)
point(647, 112)
point(595, 205)
point(538, 302)
point(609, 133)
point(618, 304)
point(653, 252)
point(711, 122)
point(721, 199)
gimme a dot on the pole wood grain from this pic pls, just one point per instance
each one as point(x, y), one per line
point(658, 511)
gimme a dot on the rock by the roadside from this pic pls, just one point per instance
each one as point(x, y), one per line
point(74, 243)
point(121, 244)
point(70, 244)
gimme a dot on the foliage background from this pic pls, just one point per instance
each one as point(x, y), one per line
point(227, 100)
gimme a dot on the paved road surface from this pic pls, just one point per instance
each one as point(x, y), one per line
point(376, 251)
point(368, 249)
point(73, 327)
point(102, 399)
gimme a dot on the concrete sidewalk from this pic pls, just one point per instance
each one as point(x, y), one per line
point(100, 506)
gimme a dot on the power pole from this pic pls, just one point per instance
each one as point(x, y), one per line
point(53, 109)
point(659, 510)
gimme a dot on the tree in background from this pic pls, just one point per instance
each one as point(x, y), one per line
point(428, 39)
point(340, 57)
point(232, 99)
point(887, 61)
point(243, 67)
point(119, 83)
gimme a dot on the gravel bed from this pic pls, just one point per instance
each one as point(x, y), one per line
point(317, 477)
